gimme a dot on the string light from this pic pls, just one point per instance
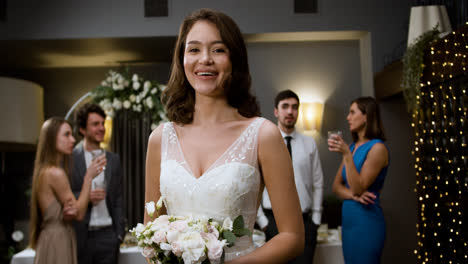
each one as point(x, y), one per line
point(439, 148)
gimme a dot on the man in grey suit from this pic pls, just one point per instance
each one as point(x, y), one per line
point(102, 230)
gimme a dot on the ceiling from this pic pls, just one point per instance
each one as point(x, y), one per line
point(60, 53)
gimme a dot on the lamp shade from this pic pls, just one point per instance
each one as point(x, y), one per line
point(21, 111)
point(425, 18)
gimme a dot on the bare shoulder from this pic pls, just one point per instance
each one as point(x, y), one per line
point(55, 173)
point(379, 149)
point(54, 176)
point(155, 137)
point(379, 152)
point(268, 133)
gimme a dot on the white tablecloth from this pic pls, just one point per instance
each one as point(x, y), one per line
point(329, 253)
point(131, 255)
point(325, 253)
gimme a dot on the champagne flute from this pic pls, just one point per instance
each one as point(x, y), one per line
point(97, 153)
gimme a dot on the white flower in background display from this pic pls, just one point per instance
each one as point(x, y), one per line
point(17, 236)
point(118, 91)
point(136, 85)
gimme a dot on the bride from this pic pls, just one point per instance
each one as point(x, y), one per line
point(217, 155)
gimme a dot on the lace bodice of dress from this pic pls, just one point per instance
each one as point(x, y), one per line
point(229, 188)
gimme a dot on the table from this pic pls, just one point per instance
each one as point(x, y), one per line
point(329, 252)
point(325, 253)
point(131, 255)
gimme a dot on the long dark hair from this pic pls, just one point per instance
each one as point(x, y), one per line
point(179, 96)
point(374, 129)
point(46, 156)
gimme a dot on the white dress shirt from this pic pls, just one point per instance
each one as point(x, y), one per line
point(308, 177)
point(99, 213)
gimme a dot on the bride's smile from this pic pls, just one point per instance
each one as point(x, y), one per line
point(206, 59)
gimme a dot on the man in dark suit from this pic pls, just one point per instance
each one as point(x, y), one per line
point(102, 230)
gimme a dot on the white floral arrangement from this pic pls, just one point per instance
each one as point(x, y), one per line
point(186, 239)
point(119, 92)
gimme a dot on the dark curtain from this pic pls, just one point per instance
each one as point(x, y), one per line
point(130, 134)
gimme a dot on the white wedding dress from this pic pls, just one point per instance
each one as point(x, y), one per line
point(229, 188)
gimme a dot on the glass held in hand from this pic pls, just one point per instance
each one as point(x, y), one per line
point(96, 154)
point(333, 133)
point(99, 184)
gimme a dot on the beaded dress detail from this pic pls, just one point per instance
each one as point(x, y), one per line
point(229, 188)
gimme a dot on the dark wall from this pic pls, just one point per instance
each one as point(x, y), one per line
point(54, 19)
point(64, 86)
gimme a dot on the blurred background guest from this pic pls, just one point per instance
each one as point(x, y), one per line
point(103, 228)
point(53, 204)
point(359, 181)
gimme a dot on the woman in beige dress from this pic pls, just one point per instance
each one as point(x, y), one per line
point(53, 204)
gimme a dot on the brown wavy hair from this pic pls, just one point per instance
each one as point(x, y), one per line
point(374, 129)
point(179, 96)
point(46, 156)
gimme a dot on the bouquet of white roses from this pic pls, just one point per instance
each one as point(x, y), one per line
point(120, 92)
point(184, 239)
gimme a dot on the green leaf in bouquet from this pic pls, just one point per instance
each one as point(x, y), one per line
point(242, 232)
point(238, 223)
point(230, 237)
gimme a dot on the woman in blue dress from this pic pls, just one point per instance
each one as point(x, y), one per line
point(359, 181)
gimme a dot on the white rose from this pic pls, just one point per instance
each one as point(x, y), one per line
point(213, 230)
point(179, 225)
point(153, 126)
point(227, 224)
point(126, 104)
point(120, 80)
point(147, 85)
point(132, 98)
point(162, 87)
point(166, 247)
point(117, 104)
point(177, 248)
point(111, 113)
point(172, 236)
point(159, 237)
point(154, 90)
point(162, 222)
point(136, 107)
point(109, 79)
point(103, 83)
point(215, 250)
point(194, 247)
point(150, 208)
point(148, 252)
point(17, 236)
point(138, 99)
point(136, 85)
point(106, 105)
point(149, 102)
point(135, 77)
